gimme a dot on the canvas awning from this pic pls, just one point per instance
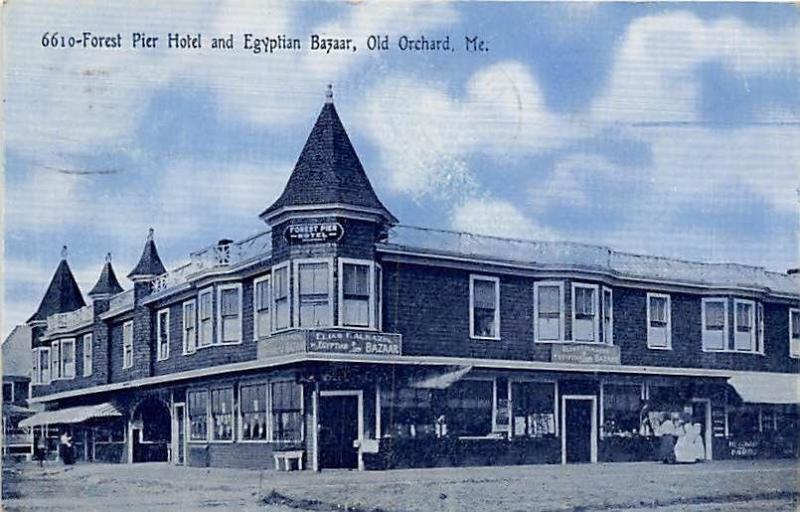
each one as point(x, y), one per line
point(767, 388)
point(16, 410)
point(440, 379)
point(72, 415)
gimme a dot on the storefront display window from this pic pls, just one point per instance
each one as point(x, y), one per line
point(408, 412)
point(533, 405)
point(622, 407)
point(253, 410)
point(198, 415)
point(287, 412)
point(469, 408)
point(222, 414)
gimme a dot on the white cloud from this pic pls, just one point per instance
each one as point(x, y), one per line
point(496, 217)
point(654, 76)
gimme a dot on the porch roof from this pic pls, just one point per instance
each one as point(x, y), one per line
point(72, 415)
point(764, 388)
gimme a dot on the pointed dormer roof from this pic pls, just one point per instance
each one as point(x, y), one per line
point(150, 264)
point(63, 294)
point(328, 172)
point(107, 283)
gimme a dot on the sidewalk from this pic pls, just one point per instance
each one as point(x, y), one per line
point(730, 485)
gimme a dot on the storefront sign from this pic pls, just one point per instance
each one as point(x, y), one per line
point(331, 341)
point(584, 354)
point(315, 232)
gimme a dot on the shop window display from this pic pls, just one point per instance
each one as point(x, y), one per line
point(533, 409)
point(408, 413)
point(622, 410)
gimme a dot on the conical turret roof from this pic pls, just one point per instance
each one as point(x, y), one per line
point(107, 283)
point(150, 264)
point(63, 294)
point(329, 171)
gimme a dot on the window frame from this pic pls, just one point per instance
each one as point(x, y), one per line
point(42, 354)
point(201, 341)
point(561, 311)
point(90, 338)
point(754, 348)
point(270, 412)
point(295, 287)
point(207, 392)
point(289, 300)
point(210, 417)
point(184, 339)
point(266, 384)
point(608, 337)
point(55, 360)
point(127, 326)
point(159, 314)
point(371, 305)
point(220, 331)
point(266, 278)
point(725, 327)
point(63, 361)
point(667, 328)
point(794, 348)
point(496, 281)
point(596, 307)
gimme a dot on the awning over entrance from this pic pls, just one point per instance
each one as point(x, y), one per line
point(72, 415)
point(441, 379)
point(767, 388)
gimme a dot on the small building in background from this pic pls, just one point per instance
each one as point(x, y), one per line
point(17, 441)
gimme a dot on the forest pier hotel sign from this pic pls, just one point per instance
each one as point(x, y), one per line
point(314, 232)
point(332, 341)
point(584, 353)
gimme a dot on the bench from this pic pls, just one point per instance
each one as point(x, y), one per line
point(287, 457)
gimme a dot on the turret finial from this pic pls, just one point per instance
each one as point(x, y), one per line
point(329, 94)
point(63, 252)
point(150, 233)
point(108, 257)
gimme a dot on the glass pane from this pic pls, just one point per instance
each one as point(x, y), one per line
point(483, 294)
point(356, 312)
point(229, 302)
point(715, 315)
point(356, 280)
point(262, 295)
point(549, 299)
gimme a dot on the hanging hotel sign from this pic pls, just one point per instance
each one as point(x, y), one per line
point(332, 341)
point(313, 232)
point(584, 353)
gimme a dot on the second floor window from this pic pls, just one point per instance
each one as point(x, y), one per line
point(794, 332)
point(41, 365)
point(261, 307)
point(230, 314)
point(608, 316)
point(715, 324)
point(162, 334)
point(127, 345)
point(584, 313)
point(189, 327)
point(206, 318)
point(87, 355)
point(744, 335)
point(659, 321)
point(484, 307)
point(549, 311)
point(356, 293)
point(314, 298)
point(280, 292)
point(55, 360)
point(68, 359)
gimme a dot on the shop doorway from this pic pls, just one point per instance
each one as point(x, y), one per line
point(579, 429)
point(701, 413)
point(179, 435)
point(340, 428)
point(151, 431)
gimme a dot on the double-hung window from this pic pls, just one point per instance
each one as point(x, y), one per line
point(607, 306)
point(127, 345)
point(715, 324)
point(313, 286)
point(230, 313)
point(41, 365)
point(35, 371)
point(744, 333)
point(87, 355)
point(198, 415)
point(222, 414)
point(253, 412)
point(357, 292)
point(67, 361)
point(659, 322)
point(287, 411)
point(162, 335)
point(484, 307)
point(206, 317)
point(584, 313)
point(794, 332)
point(262, 308)
point(189, 326)
point(280, 297)
point(549, 310)
point(55, 360)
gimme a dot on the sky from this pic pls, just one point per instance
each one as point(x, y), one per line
point(665, 129)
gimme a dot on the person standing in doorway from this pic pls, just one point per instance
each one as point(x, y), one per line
point(41, 450)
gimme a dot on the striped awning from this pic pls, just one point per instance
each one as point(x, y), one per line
point(72, 415)
point(767, 388)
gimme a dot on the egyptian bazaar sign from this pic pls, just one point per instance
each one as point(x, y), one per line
point(584, 353)
point(314, 232)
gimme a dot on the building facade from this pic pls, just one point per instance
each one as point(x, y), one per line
point(16, 350)
point(344, 339)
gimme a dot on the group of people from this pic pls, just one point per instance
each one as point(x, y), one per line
point(65, 449)
point(681, 441)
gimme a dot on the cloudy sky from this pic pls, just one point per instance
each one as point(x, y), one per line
point(666, 129)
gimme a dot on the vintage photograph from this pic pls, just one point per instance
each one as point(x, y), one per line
point(400, 256)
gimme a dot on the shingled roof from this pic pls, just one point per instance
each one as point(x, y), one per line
point(150, 264)
point(62, 296)
point(107, 283)
point(329, 171)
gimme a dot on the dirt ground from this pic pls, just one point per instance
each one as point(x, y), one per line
point(737, 486)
